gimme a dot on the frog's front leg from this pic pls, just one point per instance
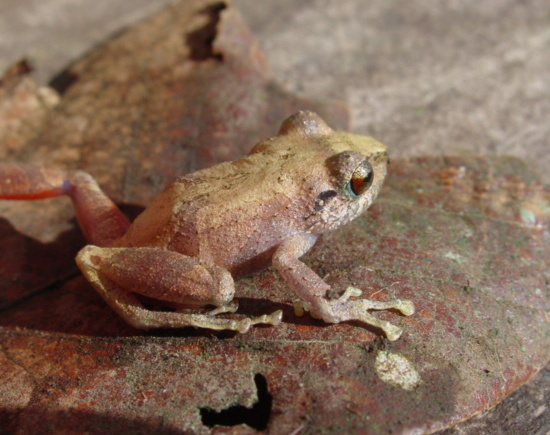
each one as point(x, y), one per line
point(118, 273)
point(313, 290)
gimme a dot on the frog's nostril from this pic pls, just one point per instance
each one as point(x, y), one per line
point(95, 259)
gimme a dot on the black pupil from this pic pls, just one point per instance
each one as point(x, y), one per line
point(360, 184)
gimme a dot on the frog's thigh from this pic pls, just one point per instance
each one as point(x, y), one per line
point(117, 273)
point(161, 274)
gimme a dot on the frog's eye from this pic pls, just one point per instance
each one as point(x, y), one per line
point(361, 179)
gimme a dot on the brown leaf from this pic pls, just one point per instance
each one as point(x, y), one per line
point(466, 238)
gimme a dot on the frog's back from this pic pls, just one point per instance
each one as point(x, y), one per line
point(227, 214)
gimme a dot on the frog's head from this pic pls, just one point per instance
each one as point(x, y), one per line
point(342, 172)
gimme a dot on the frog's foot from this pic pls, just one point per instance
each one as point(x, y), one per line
point(242, 325)
point(404, 306)
point(156, 319)
point(343, 309)
point(142, 318)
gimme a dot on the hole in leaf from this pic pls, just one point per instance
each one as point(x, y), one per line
point(201, 41)
point(63, 81)
point(256, 417)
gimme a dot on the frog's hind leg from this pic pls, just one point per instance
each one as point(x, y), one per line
point(118, 273)
point(99, 218)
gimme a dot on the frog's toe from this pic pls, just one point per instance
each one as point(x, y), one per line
point(229, 308)
point(243, 326)
point(392, 332)
point(268, 319)
point(406, 307)
point(274, 318)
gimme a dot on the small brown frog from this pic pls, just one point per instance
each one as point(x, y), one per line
point(230, 219)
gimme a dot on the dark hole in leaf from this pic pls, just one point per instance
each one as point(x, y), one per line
point(201, 41)
point(256, 417)
point(63, 81)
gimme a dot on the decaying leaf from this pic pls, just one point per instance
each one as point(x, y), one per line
point(450, 234)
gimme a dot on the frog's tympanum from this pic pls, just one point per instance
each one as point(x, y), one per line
point(230, 219)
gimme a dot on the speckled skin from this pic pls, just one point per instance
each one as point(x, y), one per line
point(233, 213)
point(230, 219)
